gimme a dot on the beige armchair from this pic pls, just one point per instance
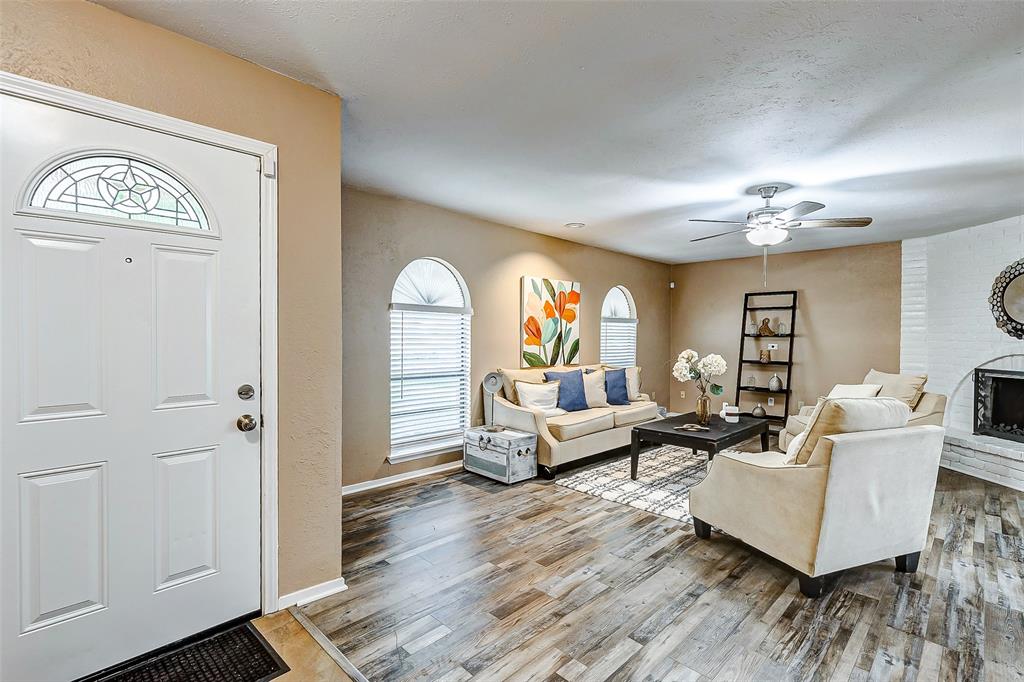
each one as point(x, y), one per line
point(857, 489)
point(929, 408)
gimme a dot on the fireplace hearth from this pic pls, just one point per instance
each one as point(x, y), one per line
point(999, 403)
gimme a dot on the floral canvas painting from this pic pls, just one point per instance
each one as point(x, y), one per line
point(551, 322)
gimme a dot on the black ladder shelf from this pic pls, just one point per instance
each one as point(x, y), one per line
point(753, 313)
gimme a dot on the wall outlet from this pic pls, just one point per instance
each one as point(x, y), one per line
point(773, 346)
point(682, 394)
point(771, 402)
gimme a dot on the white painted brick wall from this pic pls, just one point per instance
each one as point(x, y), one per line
point(948, 330)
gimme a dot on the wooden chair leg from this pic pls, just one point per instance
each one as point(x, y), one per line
point(907, 563)
point(811, 587)
point(701, 529)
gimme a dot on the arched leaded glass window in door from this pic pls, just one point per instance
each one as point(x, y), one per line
point(430, 357)
point(121, 187)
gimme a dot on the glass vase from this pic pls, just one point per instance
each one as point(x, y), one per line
point(703, 409)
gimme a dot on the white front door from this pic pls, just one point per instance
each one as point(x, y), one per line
point(129, 496)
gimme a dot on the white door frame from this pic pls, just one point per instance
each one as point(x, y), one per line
point(64, 98)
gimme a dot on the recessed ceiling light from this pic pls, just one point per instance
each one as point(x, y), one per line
point(575, 226)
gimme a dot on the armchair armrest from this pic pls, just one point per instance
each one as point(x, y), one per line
point(879, 495)
point(766, 503)
point(806, 411)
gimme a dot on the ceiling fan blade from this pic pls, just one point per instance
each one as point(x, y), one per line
point(727, 222)
point(829, 222)
point(801, 209)
point(720, 234)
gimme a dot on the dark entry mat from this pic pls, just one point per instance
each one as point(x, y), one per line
point(238, 654)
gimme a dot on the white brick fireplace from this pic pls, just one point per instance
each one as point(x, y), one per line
point(948, 330)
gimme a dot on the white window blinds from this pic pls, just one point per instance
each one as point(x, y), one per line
point(618, 328)
point(618, 342)
point(430, 361)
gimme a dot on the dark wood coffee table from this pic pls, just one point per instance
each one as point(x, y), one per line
point(719, 436)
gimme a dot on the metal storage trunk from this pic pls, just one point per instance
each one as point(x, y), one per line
point(507, 456)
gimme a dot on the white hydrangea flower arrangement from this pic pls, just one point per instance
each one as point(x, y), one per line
point(691, 367)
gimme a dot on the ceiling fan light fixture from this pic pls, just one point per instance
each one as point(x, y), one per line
point(767, 236)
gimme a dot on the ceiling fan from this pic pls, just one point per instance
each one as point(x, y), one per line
point(770, 225)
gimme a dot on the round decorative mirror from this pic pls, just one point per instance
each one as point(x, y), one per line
point(1007, 300)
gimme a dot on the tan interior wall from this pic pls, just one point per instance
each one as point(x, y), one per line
point(87, 48)
point(383, 234)
point(848, 318)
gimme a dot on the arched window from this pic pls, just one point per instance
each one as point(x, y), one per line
point(430, 314)
point(618, 328)
point(119, 187)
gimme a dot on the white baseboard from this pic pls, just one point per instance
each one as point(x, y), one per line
point(304, 596)
point(399, 478)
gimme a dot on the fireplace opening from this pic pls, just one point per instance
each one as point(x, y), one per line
point(999, 403)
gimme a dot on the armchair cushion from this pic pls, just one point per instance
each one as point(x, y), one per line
point(844, 415)
point(580, 423)
point(905, 387)
point(854, 390)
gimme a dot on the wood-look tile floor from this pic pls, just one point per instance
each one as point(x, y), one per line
point(306, 659)
point(457, 578)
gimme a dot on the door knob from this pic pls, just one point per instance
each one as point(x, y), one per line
point(246, 422)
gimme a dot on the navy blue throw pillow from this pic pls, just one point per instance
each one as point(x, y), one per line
point(615, 386)
point(571, 396)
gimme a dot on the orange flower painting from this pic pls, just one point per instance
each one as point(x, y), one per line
point(551, 322)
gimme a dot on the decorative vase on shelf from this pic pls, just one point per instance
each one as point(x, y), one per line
point(752, 381)
point(765, 329)
point(781, 330)
point(758, 411)
point(766, 356)
point(752, 328)
point(775, 383)
point(703, 409)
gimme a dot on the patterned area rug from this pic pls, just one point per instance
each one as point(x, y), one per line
point(663, 483)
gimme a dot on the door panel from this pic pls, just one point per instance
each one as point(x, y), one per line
point(187, 511)
point(129, 500)
point(184, 296)
point(63, 544)
point(61, 372)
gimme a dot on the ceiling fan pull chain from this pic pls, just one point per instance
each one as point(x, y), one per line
point(764, 267)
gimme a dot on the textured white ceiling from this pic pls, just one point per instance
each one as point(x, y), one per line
point(634, 117)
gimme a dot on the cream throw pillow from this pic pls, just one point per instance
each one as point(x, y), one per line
point(854, 391)
point(510, 377)
point(543, 397)
point(633, 382)
point(848, 415)
point(794, 446)
point(594, 390)
point(905, 387)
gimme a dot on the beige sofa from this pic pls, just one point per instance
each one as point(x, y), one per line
point(573, 435)
point(863, 494)
point(930, 408)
